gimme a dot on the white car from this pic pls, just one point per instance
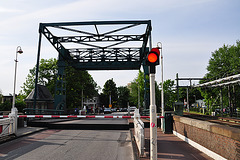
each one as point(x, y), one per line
point(107, 110)
point(132, 109)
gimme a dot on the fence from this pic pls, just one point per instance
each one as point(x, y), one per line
point(139, 132)
point(8, 126)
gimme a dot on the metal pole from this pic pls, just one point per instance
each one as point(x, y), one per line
point(162, 92)
point(177, 88)
point(15, 74)
point(19, 50)
point(110, 100)
point(37, 68)
point(153, 119)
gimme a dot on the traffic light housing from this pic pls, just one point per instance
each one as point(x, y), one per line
point(152, 59)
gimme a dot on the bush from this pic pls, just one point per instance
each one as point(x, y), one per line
point(6, 106)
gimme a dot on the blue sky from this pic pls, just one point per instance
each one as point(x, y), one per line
point(190, 30)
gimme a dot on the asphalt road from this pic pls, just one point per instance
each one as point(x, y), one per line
point(70, 145)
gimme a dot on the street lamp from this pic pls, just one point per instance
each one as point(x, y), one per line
point(159, 45)
point(18, 50)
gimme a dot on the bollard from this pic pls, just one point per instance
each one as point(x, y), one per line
point(168, 125)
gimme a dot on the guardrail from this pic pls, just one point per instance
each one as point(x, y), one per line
point(139, 132)
point(8, 126)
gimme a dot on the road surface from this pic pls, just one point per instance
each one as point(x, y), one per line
point(69, 145)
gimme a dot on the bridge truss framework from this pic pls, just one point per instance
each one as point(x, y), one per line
point(96, 45)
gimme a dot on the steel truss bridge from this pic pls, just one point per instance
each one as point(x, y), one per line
point(96, 45)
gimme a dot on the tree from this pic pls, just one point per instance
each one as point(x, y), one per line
point(169, 94)
point(76, 81)
point(46, 76)
point(224, 62)
point(123, 96)
point(6, 106)
point(0, 95)
point(137, 84)
point(109, 89)
point(193, 95)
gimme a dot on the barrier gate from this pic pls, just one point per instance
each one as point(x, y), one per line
point(8, 125)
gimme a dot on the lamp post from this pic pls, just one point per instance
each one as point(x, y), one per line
point(18, 50)
point(159, 44)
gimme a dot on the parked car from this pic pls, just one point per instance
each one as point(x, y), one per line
point(132, 109)
point(124, 110)
point(107, 110)
point(114, 110)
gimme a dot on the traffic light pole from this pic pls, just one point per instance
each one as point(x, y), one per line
point(153, 119)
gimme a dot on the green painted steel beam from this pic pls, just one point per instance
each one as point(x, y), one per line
point(148, 22)
point(107, 66)
point(91, 54)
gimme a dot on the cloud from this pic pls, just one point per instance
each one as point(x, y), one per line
point(8, 10)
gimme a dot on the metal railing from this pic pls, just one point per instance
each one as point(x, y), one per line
point(8, 126)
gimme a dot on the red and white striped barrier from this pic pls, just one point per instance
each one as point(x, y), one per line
point(74, 116)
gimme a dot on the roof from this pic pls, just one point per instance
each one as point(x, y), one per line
point(43, 94)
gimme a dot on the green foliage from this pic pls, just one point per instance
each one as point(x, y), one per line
point(138, 83)
point(109, 88)
point(47, 76)
point(6, 106)
point(193, 95)
point(123, 96)
point(169, 94)
point(20, 105)
point(224, 62)
point(76, 81)
point(1, 95)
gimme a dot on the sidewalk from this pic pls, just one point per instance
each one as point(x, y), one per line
point(171, 147)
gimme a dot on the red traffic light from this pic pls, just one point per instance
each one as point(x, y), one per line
point(156, 50)
point(152, 57)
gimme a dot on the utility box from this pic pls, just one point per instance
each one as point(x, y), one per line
point(168, 120)
point(178, 108)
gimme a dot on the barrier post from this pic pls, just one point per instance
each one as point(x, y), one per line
point(139, 132)
point(153, 119)
point(13, 115)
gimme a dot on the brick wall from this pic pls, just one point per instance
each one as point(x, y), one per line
point(221, 139)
